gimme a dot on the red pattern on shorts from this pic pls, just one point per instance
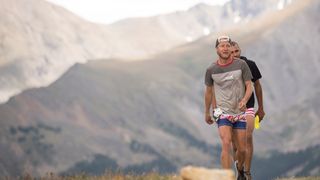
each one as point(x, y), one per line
point(238, 117)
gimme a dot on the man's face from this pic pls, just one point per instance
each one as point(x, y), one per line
point(235, 51)
point(224, 50)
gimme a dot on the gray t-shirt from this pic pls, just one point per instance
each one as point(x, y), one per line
point(229, 84)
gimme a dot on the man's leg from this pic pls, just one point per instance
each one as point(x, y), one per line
point(234, 148)
point(234, 153)
point(240, 138)
point(225, 133)
point(249, 150)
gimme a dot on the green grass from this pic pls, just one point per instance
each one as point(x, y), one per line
point(301, 178)
point(120, 176)
point(107, 176)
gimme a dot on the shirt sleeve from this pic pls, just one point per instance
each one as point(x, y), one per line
point(208, 78)
point(255, 72)
point(246, 73)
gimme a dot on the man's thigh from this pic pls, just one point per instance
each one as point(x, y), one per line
point(225, 132)
point(250, 124)
point(239, 135)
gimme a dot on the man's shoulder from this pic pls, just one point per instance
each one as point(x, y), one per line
point(212, 65)
point(249, 61)
point(253, 68)
point(239, 60)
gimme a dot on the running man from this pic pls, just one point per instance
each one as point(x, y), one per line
point(236, 52)
point(229, 87)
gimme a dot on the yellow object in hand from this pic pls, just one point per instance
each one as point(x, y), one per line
point(257, 122)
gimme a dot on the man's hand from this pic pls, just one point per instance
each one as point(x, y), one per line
point(242, 106)
point(260, 113)
point(208, 118)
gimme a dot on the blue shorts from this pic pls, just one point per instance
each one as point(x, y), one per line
point(235, 125)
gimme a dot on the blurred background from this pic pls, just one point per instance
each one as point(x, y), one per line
point(125, 92)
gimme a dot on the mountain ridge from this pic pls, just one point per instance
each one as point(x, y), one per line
point(40, 40)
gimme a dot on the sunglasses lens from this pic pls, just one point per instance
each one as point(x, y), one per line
point(223, 39)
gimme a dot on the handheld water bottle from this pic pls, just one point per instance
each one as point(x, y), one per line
point(217, 112)
point(257, 122)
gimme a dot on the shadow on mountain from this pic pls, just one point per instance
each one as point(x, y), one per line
point(98, 166)
point(102, 164)
point(301, 163)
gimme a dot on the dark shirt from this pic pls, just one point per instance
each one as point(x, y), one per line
point(255, 74)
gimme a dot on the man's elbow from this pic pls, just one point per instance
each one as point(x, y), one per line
point(257, 84)
point(249, 87)
point(208, 94)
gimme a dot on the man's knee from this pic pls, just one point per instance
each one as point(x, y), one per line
point(249, 138)
point(226, 144)
point(234, 148)
point(241, 150)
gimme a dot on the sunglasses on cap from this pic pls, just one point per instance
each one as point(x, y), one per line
point(222, 39)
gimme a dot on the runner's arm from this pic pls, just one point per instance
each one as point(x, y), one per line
point(214, 102)
point(259, 95)
point(244, 100)
point(208, 100)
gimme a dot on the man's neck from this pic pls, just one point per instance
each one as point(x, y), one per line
point(223, 62)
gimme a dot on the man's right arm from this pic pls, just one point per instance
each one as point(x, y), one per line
point(208, 96)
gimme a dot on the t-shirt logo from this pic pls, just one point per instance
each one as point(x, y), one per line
point(228, 78)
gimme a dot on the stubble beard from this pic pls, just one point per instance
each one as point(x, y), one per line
point(222, 56)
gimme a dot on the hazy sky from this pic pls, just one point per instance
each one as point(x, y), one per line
point(108, 11)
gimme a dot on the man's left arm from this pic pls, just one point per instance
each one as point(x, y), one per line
point(246, 76)
point(258, 89)
point(248, 93)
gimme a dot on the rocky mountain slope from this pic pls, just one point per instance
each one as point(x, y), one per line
point(40, 41)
